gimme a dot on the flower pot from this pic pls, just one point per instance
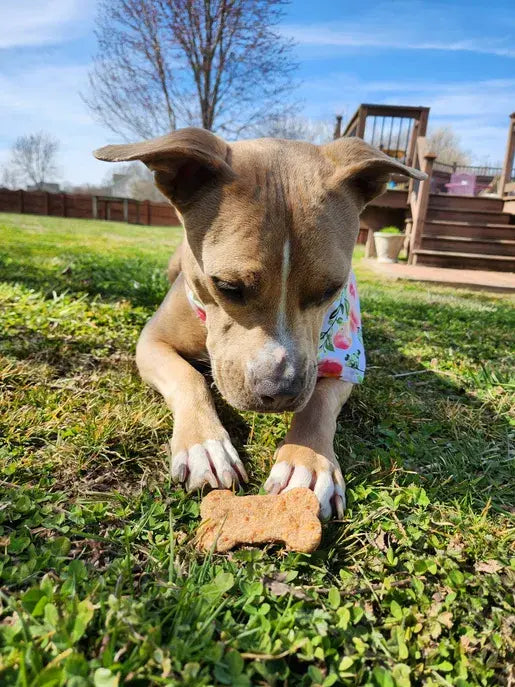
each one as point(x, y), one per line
point(388, 246)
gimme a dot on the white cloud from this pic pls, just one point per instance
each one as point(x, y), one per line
point(390, 37)
point(47, 98)
point(420, 25)
point(42, 22)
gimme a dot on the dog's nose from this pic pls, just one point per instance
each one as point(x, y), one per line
point(275, 379)
point(280, 394)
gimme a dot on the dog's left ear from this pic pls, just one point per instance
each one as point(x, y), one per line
point(364, 168)
point(184, 161)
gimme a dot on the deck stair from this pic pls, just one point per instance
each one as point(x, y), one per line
point(468, 232)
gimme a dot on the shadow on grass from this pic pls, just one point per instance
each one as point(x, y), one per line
point(64, 354)
point(447, 428)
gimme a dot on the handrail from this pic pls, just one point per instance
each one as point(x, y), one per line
point(478, 170)
point(373, 109)
point(421, 149)
point(418, 196)
point(392, 128)
point(509, 158)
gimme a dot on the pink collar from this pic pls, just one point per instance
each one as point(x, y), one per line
point(195, 303)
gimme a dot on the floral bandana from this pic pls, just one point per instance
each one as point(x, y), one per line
point(341, 353)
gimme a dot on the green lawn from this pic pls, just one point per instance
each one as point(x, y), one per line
point(100, 581)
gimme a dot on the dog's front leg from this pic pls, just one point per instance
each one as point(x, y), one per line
point(201, 449)
point(306, 457)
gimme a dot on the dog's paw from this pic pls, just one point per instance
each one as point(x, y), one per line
point(300, 466)
point(214, 462)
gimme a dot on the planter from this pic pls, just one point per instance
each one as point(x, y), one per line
point(388, 246)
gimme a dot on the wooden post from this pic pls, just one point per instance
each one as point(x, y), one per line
point(419, 215)
point(422, 122)
point(419, 129)
point(410, 153)
point(108, 209)
point(94, 207)
point(408, 226)
point(63, 196)
point(137, 213)
point(362, 122)
point(370, 246)
point(509, 157)
point(46, 203)
point(125, 209)
point(338, 127)
point(147, 203)
point(22, 204)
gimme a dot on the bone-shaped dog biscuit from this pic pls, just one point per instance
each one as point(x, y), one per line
point(290, 518)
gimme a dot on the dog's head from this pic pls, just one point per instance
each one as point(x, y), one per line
point(270, 229)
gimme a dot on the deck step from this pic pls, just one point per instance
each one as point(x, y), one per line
point(466, 244)
point(459, 214)
point(462, 260)
point(489, 230)
point(467, 238)
point(478, 203)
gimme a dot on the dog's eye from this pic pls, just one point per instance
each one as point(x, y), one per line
point(329, 294)
point(229, 289)
point(316, 301)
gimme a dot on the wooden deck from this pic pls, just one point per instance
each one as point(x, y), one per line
point(468, 232)
point(458, 278)
point(443, 229)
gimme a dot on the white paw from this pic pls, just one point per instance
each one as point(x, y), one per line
point(215, 462)
point(327, 483)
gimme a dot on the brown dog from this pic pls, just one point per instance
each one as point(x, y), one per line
point(270, 226)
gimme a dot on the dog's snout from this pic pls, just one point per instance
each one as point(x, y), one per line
point(275, 378)
point(281, 394)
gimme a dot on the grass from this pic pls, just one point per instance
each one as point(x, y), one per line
point(100, 581)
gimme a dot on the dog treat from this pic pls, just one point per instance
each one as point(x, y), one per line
point(290, 518)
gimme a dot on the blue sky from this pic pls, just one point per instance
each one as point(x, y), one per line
point(456, 57)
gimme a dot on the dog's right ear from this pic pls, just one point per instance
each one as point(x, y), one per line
point(363, 168)
point(184, 162)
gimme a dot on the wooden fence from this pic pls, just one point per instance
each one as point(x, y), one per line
point(83, 206)
point(88, 207)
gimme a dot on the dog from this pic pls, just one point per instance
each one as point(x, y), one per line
point(270, 226)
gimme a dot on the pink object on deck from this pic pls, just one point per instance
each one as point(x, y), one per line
point(462, 184)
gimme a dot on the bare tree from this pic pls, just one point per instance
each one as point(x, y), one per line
point(446, 143)
point(141, 184)
point(133, 180)
point(161, 64)
point(87, 189)
point(297, 128)
point(33, 157)
point(10, 178)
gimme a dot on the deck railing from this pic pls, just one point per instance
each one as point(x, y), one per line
point(478, 170)
point(418, 196)
point(394, 129)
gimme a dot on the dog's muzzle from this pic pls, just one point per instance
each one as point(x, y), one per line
point(277, 379)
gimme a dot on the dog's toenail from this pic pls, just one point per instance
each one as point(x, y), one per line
point(181, 475)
